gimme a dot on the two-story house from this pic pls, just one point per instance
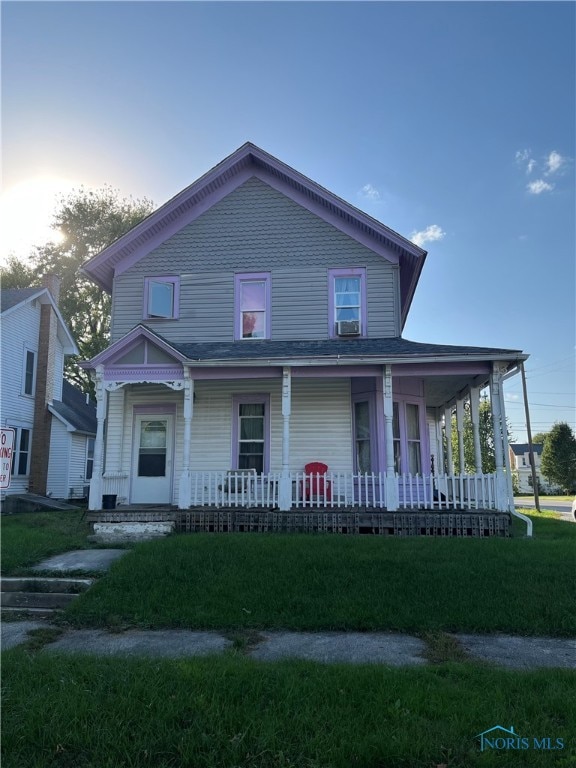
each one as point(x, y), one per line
point(520, 465)
point(54, 427)
point(257, 328)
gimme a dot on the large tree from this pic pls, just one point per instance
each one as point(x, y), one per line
point(559, 457)
point(18, 274)
point(88, 221)
point(485, 425)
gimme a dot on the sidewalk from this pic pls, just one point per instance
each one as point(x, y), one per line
point(388, 649)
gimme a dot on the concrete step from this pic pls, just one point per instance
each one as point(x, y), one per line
point(36, 599)
point(37, 584)
point(33, 593)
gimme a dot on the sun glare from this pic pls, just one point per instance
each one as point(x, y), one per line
point(26, 211)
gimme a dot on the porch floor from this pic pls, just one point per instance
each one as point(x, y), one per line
point(408, 522)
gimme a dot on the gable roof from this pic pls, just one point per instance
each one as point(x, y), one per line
point(73, 411)
point(247, 161)
point(12, 298)
point(520, 448)
point(121, 346)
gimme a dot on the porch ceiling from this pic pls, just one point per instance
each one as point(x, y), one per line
point(439, 390)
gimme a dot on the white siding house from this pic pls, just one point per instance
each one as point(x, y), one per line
point(35, 340)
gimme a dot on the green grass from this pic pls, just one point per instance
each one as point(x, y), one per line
point(231, 712)
point(303, 582)
point(30, 537)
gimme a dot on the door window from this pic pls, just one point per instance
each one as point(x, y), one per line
point(362, 436)
point(152, 449)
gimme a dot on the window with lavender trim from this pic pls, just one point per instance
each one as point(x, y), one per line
point(253, 306)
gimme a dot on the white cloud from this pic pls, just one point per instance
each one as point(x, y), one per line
point(539, 186)
point(553, 162)
point(369, 192)
point(530, 167)
point(510, 397)
point(522, 155)
point(428, 235)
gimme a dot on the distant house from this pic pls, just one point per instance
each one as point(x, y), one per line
point(520, 464)
point(54, 431)
point(256, 328)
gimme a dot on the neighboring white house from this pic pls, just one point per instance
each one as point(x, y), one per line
point(36, 401)
point(520, 464)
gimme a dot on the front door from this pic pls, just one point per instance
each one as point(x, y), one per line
point(152, 461)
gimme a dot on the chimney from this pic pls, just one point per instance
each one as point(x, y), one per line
point(53, 283)
point(45, 379)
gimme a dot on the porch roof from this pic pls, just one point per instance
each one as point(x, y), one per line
point(390, 349)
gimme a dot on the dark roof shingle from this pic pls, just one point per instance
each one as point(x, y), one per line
point(9, 297)
point(74, 409)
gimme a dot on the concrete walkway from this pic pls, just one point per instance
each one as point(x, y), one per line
point(385, 648)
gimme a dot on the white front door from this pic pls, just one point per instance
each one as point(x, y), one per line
point(152, 461)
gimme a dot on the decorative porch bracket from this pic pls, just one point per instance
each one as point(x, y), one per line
point(285, 485)
point(391, 483)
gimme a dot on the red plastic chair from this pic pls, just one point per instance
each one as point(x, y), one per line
point(315, 483)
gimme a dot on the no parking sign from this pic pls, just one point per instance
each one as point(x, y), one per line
point(6, 450)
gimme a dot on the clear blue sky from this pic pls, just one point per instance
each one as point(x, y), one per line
point(451, 120)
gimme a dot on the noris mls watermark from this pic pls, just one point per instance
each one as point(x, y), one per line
point(499, 737)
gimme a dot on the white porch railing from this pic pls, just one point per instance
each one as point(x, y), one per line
point(342, 489)
point(116, 483)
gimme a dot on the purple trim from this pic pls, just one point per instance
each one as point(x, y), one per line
point(239, 278)
point(439, 369)
point(170, 279)
point(351, 272)
point(123, 345)
point(251, 398)
point(211, 374)
point(158, 408)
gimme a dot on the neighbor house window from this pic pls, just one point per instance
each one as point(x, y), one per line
point(252, 300)
point(29, 374)
point(347, 298)
point(21, 455)
point(251, 432)
point(89, 457)
point(161, 298)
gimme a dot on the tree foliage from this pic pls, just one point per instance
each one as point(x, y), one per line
point(18, 274)
point(558, 463)
point(486, 430)
point(88, 221)
point(539, 438)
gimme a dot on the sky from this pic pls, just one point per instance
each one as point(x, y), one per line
point(453, 123)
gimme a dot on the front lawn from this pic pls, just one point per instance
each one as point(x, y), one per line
point(29, 537)
point(232, 712)
point(323, 582)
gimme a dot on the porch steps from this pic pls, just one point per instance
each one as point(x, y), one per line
point(477, 524)
point(35, 593)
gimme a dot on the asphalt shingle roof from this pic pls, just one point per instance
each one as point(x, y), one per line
point(74, 409)
point(520, 448)
point(265, 349)
point(9, 297)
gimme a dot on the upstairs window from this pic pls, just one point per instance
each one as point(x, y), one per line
point(161, 298)
point(29, 374)
point(347, 302)
point(252, 300)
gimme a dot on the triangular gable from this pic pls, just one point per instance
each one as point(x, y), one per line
point(248, 161)
point(125, 351)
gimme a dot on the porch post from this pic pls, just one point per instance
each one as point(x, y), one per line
point(439, 442)
point(184, 490)
point(495, 400)
point(392, 499)
point(460, 431)
point(448, 431)
point(95, 497)
point(285, 487)
point(475, 418)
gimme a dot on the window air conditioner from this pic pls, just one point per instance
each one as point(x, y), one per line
point(348, 327)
